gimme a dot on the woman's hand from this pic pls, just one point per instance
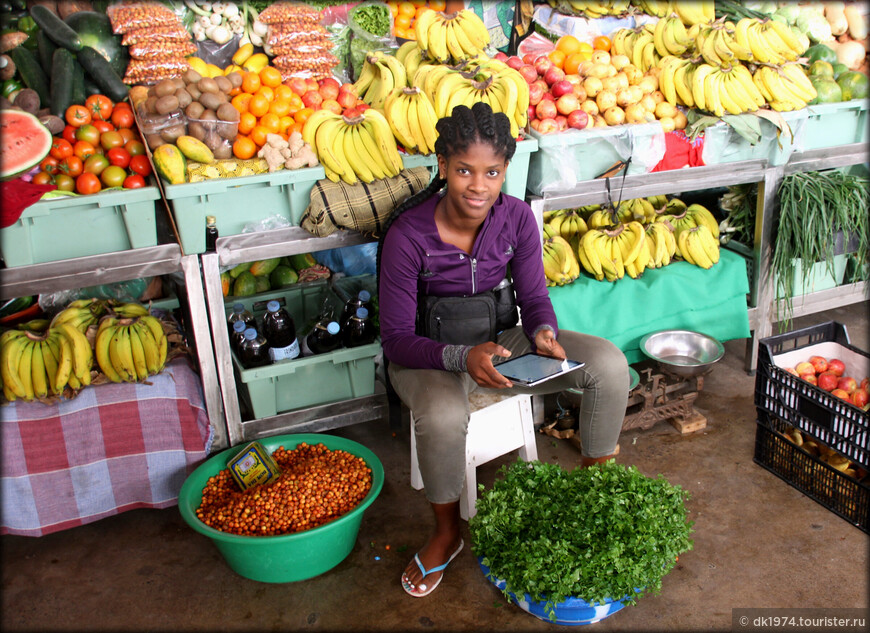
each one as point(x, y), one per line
point(481, 369)
point(547, 345)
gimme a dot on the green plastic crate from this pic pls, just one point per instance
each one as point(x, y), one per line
point(831, 124)
point(566, 158)
point(517, 172)
point(723, 145)
point(79, 226)
point(236, 202)
point(313, 380)
point(819, 277)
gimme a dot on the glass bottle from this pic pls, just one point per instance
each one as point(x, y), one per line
point(254, 349)
point(324, 337)
point(239, 313)
point(361, 300)
point(280, 331)
point(359, 329)
point(211, 233)
point(237, 335)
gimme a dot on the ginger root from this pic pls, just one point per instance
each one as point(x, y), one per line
point(291, 153)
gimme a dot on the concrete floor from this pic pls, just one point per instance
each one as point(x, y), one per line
point(757, 543)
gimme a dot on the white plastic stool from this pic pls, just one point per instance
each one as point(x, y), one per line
point(498, 425)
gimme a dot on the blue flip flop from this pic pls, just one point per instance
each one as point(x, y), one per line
point(425, 590)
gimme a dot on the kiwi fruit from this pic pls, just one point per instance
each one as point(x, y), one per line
point(211, 100)
point(166, 104)
point(184, 98)
point(208, 115)
point(194, 110)
point(207, 84)
point(165, 87)
point(227, 112)
point(179, 83)
point(223, 151)
point(212, 139)
point(154, 141)
point(235, 78)
point(193, 91)
point(223, 83)
point(171, 133)
point(196, 130)
point(190, 76)
point(151, 104)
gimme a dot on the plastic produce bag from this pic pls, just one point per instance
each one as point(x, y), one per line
point(350, 260)
point(361, 18)
point(134, 290)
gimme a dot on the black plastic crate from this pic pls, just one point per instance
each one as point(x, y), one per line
point(821, 482)
point(838, 424)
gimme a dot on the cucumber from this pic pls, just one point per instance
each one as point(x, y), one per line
point(31, 72)
point(56, 29)
point(62, 69)
point(90, 86)
point(78, 84)
point(103, 74)
point(45, 47)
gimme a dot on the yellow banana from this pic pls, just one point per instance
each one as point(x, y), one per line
point(368, 148)
point(354, 160)
point(25, 374)
point(150, 347)
point(130, 310)
point(11, 351)
point(436, 37)
point(309, 130)
point(121, 354)
point(384, 139)
point(395, 109)
point(427, 119)
point(137, 351)
point(37, 371)
point(156, 327)
point(64, 363)
point(405, 49)
point(82, 353)
point(421, 29)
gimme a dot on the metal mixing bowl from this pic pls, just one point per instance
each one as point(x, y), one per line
point(682, 352)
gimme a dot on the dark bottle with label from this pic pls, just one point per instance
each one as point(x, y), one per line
point(239, 313)
point(237, 335)
point(359, 329)
point(211, 234)
point(361, 300)
point(280, 331)
point(324, 337)
point(254, 349)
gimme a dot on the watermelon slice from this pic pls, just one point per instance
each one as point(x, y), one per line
point(24, 141)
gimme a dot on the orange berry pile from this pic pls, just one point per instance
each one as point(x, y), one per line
point(316, 485)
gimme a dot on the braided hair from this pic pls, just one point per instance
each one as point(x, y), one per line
point(456, 133)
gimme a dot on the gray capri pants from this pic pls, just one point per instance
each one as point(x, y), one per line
point(439, 401)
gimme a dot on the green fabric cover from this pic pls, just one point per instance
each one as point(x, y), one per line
point(677, 296)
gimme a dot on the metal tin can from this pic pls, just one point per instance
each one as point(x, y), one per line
point(253, 466)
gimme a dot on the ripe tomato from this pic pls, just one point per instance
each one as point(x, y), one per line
point(123, 118)
point(134, 182)
point(103, 126)
point(83, 149)
point(140, 165)
point(100, 107)
point(65, 183)
point(119, 156)
point(111, 139)
point(69, 133)
point(127, 134)
point(88, 183)
point(135, 147)
point(77, 115)
point(49, 164)
point(113, 176)
point(89, 133)
point(61, 148)
point(96, 164)
point(43, 178)
point(71, 166)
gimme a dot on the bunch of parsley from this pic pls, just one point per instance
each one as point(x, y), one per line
point(595, 533)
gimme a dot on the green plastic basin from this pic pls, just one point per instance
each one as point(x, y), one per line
point(289, 557)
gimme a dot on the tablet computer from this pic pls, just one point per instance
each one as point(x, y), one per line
point(533, 369)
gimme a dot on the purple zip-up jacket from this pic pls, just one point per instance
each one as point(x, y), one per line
point(415, 260)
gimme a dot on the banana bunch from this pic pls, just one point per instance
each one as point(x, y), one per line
point(719, 46)
point(567, 223)
point(35, 366)
point(379, 76)
point(130, 349)
point(560, 264)
point(81, 314)
point(658, 202)
point(698, 246)
point(591, 9)
point(361, 148)
point(639, 46)
point(661, 243)
point(770, 41)
point(453, 37)
point(612, 253)
point(637, 209)
point(412, 57)
point(694, 11)
point(675, 80)
point(685, 218)
point(412, 119)
point(657, 8)
point(785, 88)
point(720, 90)
point(671, 38)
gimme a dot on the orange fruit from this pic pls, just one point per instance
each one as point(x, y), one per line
point(283, 91)
point(240, 101)
point(279, 107)
point(258, 105)
point(407, 8)
point(568, 44)
point(247, 121)
point(267, 92)
point(557, 57)
point(243, 147)
point(437, 5)
point(421, 11)
point(251, 82)
point(394, 7)
point(283, 123)
point(258, 135)
point(270, 76)
point(573, 61)
point(303, 114)
point(402, 22)
point(601, 43)
point(296, 104)
point(271, 122)
point(296, 127)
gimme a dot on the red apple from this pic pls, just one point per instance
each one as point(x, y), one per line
point(792, 371)
point(346, 99)
point(562, 122)
point(810, 378)
point(819, 363)
point(580, 93)
point(533, 114)
point(329, 88)
point(548, 126)
point(362, 106)
point(554, 74)
point(312, 99)
point(847, 384)
point(805, 367)
point(828, 380)
point(842, 395)
point(546, 109)
point(837, 366)
point(548, 96)
point(514, 61)
point(501, 56)
point(567, 103)
point(543, 64)
point(529, 58)
point(332, 105)
point(297, 85)
point(578, 119)
point(528, 72)
point(351, 112)
point(865, 384)
point(860, 397)
point(536, 93)
point(311, 84)
point(561, 87)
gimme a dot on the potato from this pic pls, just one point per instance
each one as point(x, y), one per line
point(194, 110)
point(211, 100)
point(190, 76)
point(207, 84)
point(165, 87)
point(184, 98)
point(228, 112)
point(224, 84)
point(166, 104)
point(171, 133)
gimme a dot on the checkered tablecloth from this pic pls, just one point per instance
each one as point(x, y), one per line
point(115, 447)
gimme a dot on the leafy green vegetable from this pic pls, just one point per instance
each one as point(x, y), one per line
point(607, 531)
point(373, 18)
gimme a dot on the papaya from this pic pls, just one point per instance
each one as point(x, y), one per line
point(263, 284)
point(245, 285)
point(264, 267)
point(194, 149)
point(239, 269)
point(226, 283)
point(853, 84)
point(839, 69)
point(170, 163)
point(827, 90)
point(821, 68)
point(301, 261)
point(283, 276)
point(820, 51)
